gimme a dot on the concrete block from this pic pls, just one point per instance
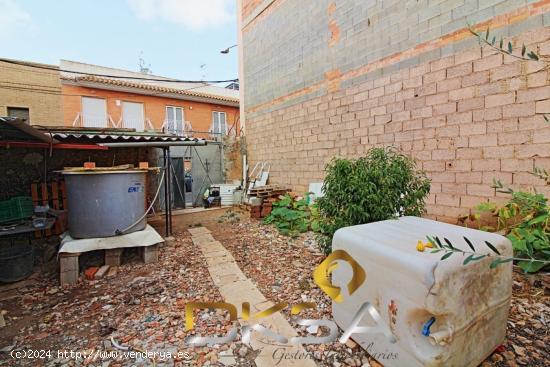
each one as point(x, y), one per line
point(113, 257)
point(68, 268)
point(150, 254)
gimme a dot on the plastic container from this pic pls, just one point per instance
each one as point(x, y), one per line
point(16, 260)
point(17, 208)
point(104, 203)
point(469, 303)
point(226, 193)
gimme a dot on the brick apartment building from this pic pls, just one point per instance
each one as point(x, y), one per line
point(132, 101)
point(325, 78)
point(29, 92)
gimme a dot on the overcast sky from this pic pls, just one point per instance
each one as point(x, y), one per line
point(175, 37)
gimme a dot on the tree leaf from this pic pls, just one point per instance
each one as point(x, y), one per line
point(532, 266)
point(533, 56)
point(470, 244)
point(546, 118)
point(487, 33)
point(501, 43)
point(468, 259)
point(493, 40)
point(510, 49)
point(438, 241)
point(497, 262)
point(493, 248)
point(449, 243)
point(447, 255)
point(434, 251)
point(539, 219)
point(523, 49)
point(479, 257)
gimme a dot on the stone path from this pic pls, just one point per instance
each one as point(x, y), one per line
point(236, 288)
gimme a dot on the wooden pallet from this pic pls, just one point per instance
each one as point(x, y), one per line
point(268, 191)
point(52, 194)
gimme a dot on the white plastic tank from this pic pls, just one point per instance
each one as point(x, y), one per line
point(105, 203)
point(469, 303)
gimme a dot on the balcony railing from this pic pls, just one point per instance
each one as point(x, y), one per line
point(107, 122)
point(179, 128)
point(93, 121)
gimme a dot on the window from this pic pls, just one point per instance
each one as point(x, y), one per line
point(94, 112)
point(174, 120)
point(20, 112)
point(219, 123)
point(133, 116)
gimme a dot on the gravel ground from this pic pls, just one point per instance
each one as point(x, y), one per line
point(281, 267)
point(143, 306)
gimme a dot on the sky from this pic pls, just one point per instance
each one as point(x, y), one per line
point(174, 37)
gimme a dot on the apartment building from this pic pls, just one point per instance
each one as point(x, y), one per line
point(101, 97)
point(31, 91)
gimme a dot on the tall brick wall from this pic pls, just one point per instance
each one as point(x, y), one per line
point(37, 89)
point(467, 115)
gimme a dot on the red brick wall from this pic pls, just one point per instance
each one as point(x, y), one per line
point(467, 118)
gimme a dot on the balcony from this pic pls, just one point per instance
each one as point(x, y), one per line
point(107, 122)
point(179, 128)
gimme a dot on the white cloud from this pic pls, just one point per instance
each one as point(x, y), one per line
point(12, 18)
point(192, 14)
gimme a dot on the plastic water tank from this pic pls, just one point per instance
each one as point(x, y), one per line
point(100, 203)
point(468, 304)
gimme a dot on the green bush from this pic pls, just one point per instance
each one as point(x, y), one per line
point(292, 217)
point(525, 218)
point(382, 185)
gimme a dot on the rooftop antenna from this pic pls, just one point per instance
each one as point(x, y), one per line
point(203, 71)
point(143, 68)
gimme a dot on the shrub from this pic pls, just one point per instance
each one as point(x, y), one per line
point(291, 216)
point(525, 218)
point(382, 185)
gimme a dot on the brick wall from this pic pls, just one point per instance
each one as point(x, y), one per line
point(467, 115)
point(33, 88)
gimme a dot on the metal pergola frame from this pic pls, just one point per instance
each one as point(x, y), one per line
point(18, 134)
point(167, 167)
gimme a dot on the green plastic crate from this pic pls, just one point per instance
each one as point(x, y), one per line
point(5, 211)
point(17, 208)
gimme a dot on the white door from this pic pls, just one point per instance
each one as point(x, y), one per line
point(133, 116)
point(94, 112)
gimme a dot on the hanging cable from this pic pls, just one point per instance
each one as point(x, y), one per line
point(167, 80)
point(119, 232)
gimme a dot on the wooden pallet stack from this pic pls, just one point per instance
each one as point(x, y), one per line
point(54, 195)
point(261, 198)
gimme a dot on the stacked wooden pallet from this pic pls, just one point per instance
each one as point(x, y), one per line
point(268, 191)
point(261, 198)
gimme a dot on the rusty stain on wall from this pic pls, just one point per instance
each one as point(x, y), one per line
point(331, 8)
point(333, 26)
point(334, 33)
point(333, 77)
